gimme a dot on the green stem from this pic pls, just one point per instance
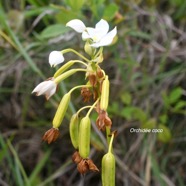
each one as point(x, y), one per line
point(79, 86)
point(90, 110)
point(85, 107)
point(110, 144)
point(77, 53)
point(108, 135)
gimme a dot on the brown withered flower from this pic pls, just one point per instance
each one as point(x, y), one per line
point(86, 165)
point(99, 73)
point(86, 94)
point(103, 120)
point(83, 166)
point(51, 135)
point(92, 166)
point(76, 158)
point(93, 79)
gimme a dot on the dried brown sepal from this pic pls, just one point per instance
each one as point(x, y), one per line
point(83, 167)
point(76, 158)
point(86, 165)
point(103, 120)
point(51, 135)
point(99, 73)
point(86, 94)
point(92, 166)
point(93, 80)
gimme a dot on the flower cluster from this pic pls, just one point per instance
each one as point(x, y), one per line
point(94, 92)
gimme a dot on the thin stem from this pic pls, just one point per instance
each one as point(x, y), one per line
point(78, 61)
point(85, 107)
point(110, 144)
point(77, 53)
point(90, 110)
point(108, 135)
point(79, 86)
point(100, 50)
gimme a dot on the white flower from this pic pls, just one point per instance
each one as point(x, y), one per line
point(99, 35)
point(47, 88)
point(55, 58)
point(77, 25)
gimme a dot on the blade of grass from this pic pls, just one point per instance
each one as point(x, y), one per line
point(38, 168)
point(18, 164)
point(18, 44)
point(56, 174)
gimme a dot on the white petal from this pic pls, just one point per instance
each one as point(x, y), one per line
point(47, 88)
point(39, 87)
point(55, 58)
point(85, 35)
point(103, 27)
point(77, 25)
point(107, 39)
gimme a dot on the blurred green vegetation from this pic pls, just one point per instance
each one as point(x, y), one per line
point(146, 66)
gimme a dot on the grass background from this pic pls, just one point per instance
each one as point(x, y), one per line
point(146, 66)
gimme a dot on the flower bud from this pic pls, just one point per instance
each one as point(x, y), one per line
point(63, 68)
point(65, 75)
point(61, 110)
point(108, 170)
point(74, 130)
point(84, 137)
point(88, 49)
point(105, 94)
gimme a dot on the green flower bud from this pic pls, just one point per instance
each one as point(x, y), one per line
point(105, 94)
point(74, 130)
point(63, 68)
point(61, 110)
point(84, 137)
point(108, 170)
point(88, 49)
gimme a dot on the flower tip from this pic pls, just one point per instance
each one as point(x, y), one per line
point(77, 25)
point(55, 58)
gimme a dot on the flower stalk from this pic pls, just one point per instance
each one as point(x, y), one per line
point(95, 91)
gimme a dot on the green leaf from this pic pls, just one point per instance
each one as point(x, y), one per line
point(139, 34)
point(54, 31)
point(175, 95)
point(75, 4)
point(126, 98)
point(163, 118)
point(165, 135)
point(181, 104)
point(110, 11)
point(150, 124)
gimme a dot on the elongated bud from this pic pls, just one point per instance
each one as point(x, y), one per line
point(88, 49)
point(105, 94)
point(61, 110)
point(65, 75)
point(63, 68)
point(84, 137)
point(74, 130)
point(108, 170)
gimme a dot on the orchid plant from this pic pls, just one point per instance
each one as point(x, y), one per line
point(96, 88)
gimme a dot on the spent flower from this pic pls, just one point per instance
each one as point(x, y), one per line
point(47, 88)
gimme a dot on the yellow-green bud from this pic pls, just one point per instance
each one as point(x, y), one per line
point(105, 94)
point(61, 110)
point(88, 49)
point(108, 170)
point(65, 75)
point(84, 137)
point(63, 68)
point(74, 130)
